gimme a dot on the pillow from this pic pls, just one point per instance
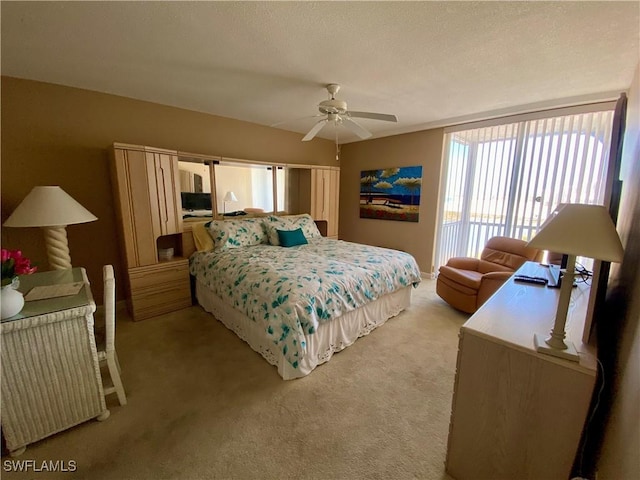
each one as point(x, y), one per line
point(291, 238)
point(290, 222)
point(201, 237)
point(306, 223)
point(272, 225)
point(237, 233)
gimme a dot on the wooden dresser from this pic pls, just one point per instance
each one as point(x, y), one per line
point(147, 193)
point(517, 413)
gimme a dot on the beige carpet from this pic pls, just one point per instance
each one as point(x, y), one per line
point(203, 405)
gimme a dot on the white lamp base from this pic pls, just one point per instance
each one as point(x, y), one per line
point(570, 353)
point(55, 239)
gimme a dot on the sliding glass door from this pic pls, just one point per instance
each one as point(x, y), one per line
point(506, 179)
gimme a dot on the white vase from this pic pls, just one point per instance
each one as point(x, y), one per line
point(11, 300)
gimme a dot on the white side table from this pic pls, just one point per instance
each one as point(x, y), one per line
point(50, 373)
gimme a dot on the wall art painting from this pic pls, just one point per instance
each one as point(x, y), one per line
point(391, 193)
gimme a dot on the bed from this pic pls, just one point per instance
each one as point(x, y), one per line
point(297, 301)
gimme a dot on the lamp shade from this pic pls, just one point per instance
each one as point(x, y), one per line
point(230, 197)
point(581, 230)
point(48, 206)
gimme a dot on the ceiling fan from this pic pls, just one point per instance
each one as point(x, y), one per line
point(336, 112)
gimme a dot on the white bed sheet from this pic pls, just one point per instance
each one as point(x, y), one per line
point(329, 338)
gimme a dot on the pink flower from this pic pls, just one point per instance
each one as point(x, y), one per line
point(14, 264)
point(23, 266)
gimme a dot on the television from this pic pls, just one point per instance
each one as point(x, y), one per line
point(195, 201)
point(555, 272)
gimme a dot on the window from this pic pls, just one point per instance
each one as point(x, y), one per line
point(505, 179)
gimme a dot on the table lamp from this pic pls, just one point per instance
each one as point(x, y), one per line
point(574, 229)
point(53, 209)
point(229, 197)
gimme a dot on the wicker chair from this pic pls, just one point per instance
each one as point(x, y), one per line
point(106, 348)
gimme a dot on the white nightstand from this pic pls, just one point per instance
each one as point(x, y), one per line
point(50, 374)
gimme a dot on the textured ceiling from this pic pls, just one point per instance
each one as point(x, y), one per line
point(430, 63)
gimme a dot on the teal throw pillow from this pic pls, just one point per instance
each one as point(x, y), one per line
point(291, 238)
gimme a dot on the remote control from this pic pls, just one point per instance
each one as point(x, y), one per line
point(526, 279)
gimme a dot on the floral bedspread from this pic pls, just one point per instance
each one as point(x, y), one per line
point(292, 290)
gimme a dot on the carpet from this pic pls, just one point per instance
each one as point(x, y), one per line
point(203, 405)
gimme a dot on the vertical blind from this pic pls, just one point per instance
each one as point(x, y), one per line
point(506, 179)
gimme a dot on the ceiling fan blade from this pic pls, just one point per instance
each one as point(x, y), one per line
point(356, 128)
point(375, 116)
point(295, 120)
point(315, 129)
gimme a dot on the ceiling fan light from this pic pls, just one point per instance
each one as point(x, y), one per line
point(333, 106)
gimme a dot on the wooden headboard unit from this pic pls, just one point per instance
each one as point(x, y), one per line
point(189, 246)
point(322, 226)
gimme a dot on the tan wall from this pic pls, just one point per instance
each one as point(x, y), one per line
point(54, 135)
point(621, 442)
point(420, 148)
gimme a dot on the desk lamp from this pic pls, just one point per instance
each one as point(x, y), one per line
point(52, 209)
point(574, 229)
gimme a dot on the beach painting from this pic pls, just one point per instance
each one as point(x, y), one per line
point(391, 193)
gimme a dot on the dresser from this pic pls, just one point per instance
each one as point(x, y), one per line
point(50, 373)
point(517, 413)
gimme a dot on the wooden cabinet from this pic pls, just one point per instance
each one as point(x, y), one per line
point(164, 192)
point(517, 413)
point(147, 192)
point(148, 198)
point(325, 195)
point(161, 288)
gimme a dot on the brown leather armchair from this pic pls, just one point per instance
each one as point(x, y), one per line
point(466, 283)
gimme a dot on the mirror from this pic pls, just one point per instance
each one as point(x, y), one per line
point(243, 188)
point(194, 177)
point(282, 198)
point(240, 188)
point(297, 190)
point(195, 188)
point(252, 186)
